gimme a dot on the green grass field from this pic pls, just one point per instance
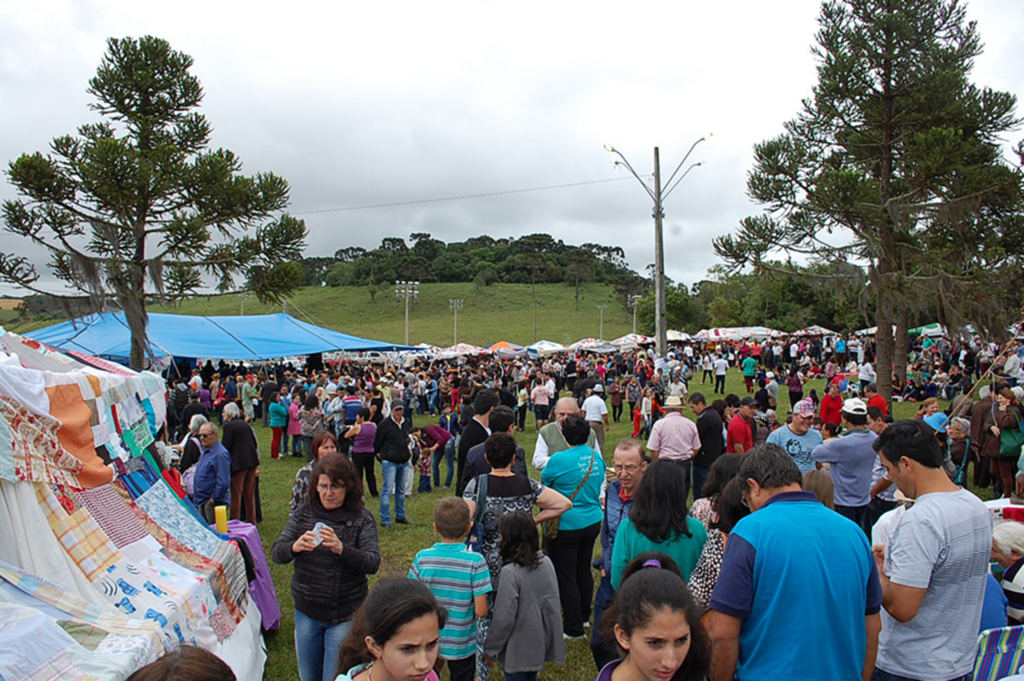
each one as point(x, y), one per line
point(398, 546)
point(497, 312)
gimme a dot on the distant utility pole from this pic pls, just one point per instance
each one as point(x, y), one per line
point(242, 297)
point(632, 301)
point(659, 196)
point(407, 290)
point(455, 304)
point(602, 308)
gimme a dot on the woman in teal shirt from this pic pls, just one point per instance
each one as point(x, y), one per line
point(659, 521)
point(576, 473)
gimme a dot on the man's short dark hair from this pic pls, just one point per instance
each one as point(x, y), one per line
point(912, 439)
point(501, 419)
point(870, 388)
point(697, 398)
point(771, 466)
point(575, 430)
point(484, 401)
point(499, 450)
point(875, 414)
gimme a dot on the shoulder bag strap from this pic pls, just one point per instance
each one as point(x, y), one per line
point(584, 480)
point(481, 498)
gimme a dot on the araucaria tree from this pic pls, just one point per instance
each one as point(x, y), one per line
point(895, 164)
point(137, 205)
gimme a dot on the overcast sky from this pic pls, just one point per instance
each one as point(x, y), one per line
point(361, 104)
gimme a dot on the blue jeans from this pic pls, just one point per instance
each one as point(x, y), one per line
point(316, 647)
point(520, 676)
point(449, 459)
point(882, 675)
point(602, 650)
point(394, 479)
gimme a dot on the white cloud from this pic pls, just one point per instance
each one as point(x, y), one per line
point(378, 103)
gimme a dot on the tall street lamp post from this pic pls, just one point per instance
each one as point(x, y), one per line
point(407, 290)
point(633, 299)
point(659, 196)
point(602, 308)
point(455, 304)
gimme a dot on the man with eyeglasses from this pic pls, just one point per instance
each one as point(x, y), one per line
point(551, 440)
point(212, 482)
point(630, 466)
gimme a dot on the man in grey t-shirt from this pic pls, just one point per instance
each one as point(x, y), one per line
point(934, 569)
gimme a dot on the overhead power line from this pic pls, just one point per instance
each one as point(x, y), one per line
point(456, 198)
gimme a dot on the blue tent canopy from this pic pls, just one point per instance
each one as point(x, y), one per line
point(242, 337)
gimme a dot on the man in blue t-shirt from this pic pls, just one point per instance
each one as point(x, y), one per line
point(793, 566)
point(797, 437)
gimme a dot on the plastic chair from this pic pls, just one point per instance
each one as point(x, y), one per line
point(999, 653)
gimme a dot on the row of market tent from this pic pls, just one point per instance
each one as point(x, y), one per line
point(267, 337)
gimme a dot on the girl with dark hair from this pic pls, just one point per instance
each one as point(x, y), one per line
point(721, 472)
point(657, 626)
point(394, 635)
point(362, 433)
point(526, 630)
point(658, 521)
point(728, 509)
point(333, 541)
point(187, 662)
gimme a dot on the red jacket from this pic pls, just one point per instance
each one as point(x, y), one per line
point(879, 401)
point(831, 409)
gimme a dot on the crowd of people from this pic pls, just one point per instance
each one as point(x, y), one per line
point(783, 532)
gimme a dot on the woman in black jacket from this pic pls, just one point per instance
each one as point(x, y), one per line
point(333, 541)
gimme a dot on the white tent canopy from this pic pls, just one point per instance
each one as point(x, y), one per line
point(543, 348)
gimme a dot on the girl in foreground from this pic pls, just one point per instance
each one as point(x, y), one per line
point(394, 635)
point(656, 625)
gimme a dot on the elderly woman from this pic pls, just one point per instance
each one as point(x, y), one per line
point(957, 445)
point(240, 441)
point(576, 473)
point(324, 443)
point(191, 448)
point(1008, 551)
point(333, 541)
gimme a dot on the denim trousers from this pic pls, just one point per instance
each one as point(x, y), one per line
point(520, 676)
point(448, 453)
point(602, 650)
point(394, 484)
point(316, 647)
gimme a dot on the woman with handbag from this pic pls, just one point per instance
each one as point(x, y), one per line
point(1007, 420)
point(576, 473)
point(502, 492)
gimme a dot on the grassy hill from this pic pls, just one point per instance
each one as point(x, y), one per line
point(496, 312)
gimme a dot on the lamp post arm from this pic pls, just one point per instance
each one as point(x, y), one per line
point(692, 147)
point(681, 177)
point(625, 162)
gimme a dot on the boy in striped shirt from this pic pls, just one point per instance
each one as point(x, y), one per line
point(460, 581)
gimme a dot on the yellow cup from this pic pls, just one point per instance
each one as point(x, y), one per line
point(222, 519)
